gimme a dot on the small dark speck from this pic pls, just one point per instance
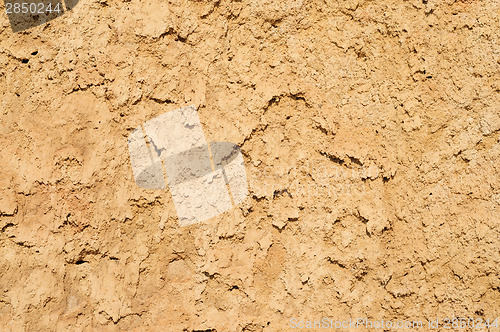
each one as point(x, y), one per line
point(25, 60)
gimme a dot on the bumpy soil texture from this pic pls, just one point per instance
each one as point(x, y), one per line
point(370, 132)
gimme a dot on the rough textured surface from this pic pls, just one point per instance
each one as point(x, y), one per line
point(370, 132)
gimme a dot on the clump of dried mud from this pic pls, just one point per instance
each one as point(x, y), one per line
point(370, 132)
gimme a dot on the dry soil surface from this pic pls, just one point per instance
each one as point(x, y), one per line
point(370, 132)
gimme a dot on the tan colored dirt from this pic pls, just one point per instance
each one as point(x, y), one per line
point(371, 137)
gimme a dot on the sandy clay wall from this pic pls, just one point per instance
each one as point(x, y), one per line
point(370, 134)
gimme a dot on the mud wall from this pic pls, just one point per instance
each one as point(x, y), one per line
point(370, 132)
